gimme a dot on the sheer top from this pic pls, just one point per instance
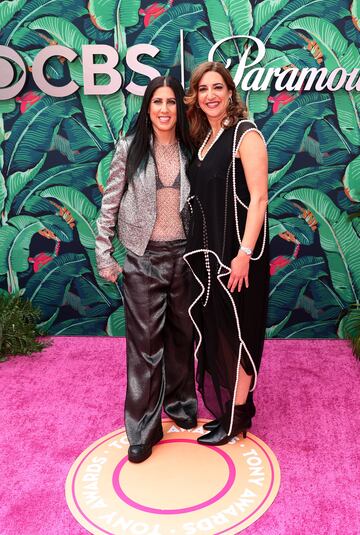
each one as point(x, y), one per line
point(168, 224)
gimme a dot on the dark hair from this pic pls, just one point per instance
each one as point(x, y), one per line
point(198, 123)
point(140, 147)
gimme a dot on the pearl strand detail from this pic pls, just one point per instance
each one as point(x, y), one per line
point(236, 198)
point(201, 158)
point(219, 276)
point(206, 248)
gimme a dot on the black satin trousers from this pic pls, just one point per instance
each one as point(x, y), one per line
point(160, 343)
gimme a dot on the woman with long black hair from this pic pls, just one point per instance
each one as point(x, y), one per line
point(145, 199)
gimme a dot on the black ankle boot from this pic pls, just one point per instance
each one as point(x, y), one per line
point(241, 423)
point(250, 407)
point(213, 424)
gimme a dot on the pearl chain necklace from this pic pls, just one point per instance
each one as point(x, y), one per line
point(200, 156)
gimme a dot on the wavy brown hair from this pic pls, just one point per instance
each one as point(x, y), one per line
point(198, 123)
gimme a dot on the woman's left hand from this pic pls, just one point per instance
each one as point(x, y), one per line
point(239, 272)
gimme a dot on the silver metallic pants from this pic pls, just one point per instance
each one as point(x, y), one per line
point(160, 343)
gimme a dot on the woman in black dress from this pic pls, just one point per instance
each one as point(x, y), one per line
point(227, 250)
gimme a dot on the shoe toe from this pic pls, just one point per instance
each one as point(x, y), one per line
point(139, 453)
point(216, 437)
point(213, 424)
point(187, 423)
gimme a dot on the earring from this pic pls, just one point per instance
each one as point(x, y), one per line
point(230, 100)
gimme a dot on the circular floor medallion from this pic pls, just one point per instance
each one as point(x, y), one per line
point(182, 489)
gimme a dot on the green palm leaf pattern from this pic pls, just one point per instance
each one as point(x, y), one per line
point(284, 131)
point(8, 10)
point(16, 182)
point(80, 327)
point(337, 53)
point(79, 135)
point(265, 11)
point(3, 192)
point(355, 10)
point(338, 240)
point(349, 327)
point(277, 175)
point(164, 34)
point(317, 329)
point(110, 13)
point(225, 22)
point(62, 175)
point(200, 45)
point(33, 132)
point(55, 154)
point(48, 288)
point(324, 296)
point(324, 179)
point(58, 226)
point(65, 32)
point(295, 9)
point(116, 323)
point(352, 180)
point(298, 227)
point(104, 114)
point(331, 138)
point(83, 211)
point(15, 238)
point(133, 103)
point(90, 293)
point(241, 17)
point(36, 8)
point(103, 170)
point(286, 287)
point(30, 43)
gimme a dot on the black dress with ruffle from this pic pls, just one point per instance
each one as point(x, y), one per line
point(230, 327)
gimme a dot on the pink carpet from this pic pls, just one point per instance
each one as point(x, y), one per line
point(55, 404)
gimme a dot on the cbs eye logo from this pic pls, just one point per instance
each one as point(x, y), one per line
point(8, 73)
point(12, 82)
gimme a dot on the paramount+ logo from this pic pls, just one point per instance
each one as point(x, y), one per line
point(14, 72)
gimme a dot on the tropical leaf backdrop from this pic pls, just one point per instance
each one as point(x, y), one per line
point(55, 153)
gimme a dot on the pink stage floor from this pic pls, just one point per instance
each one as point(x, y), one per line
point(55, 404)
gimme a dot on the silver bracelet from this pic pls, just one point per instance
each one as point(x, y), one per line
point(246, 250)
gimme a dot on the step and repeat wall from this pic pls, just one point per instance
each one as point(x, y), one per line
point(55, 152)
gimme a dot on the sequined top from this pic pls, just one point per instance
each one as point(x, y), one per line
point(168, 224)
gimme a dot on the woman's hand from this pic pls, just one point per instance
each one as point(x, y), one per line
point(111, 273)
point(239, 272)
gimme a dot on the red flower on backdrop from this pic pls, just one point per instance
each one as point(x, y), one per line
point(279, 262)
point(154, 11)
point(27, 100)
point(280, 100)
point(40, 260)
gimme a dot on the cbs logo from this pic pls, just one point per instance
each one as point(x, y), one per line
point(11, 82)
point(8, 73)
